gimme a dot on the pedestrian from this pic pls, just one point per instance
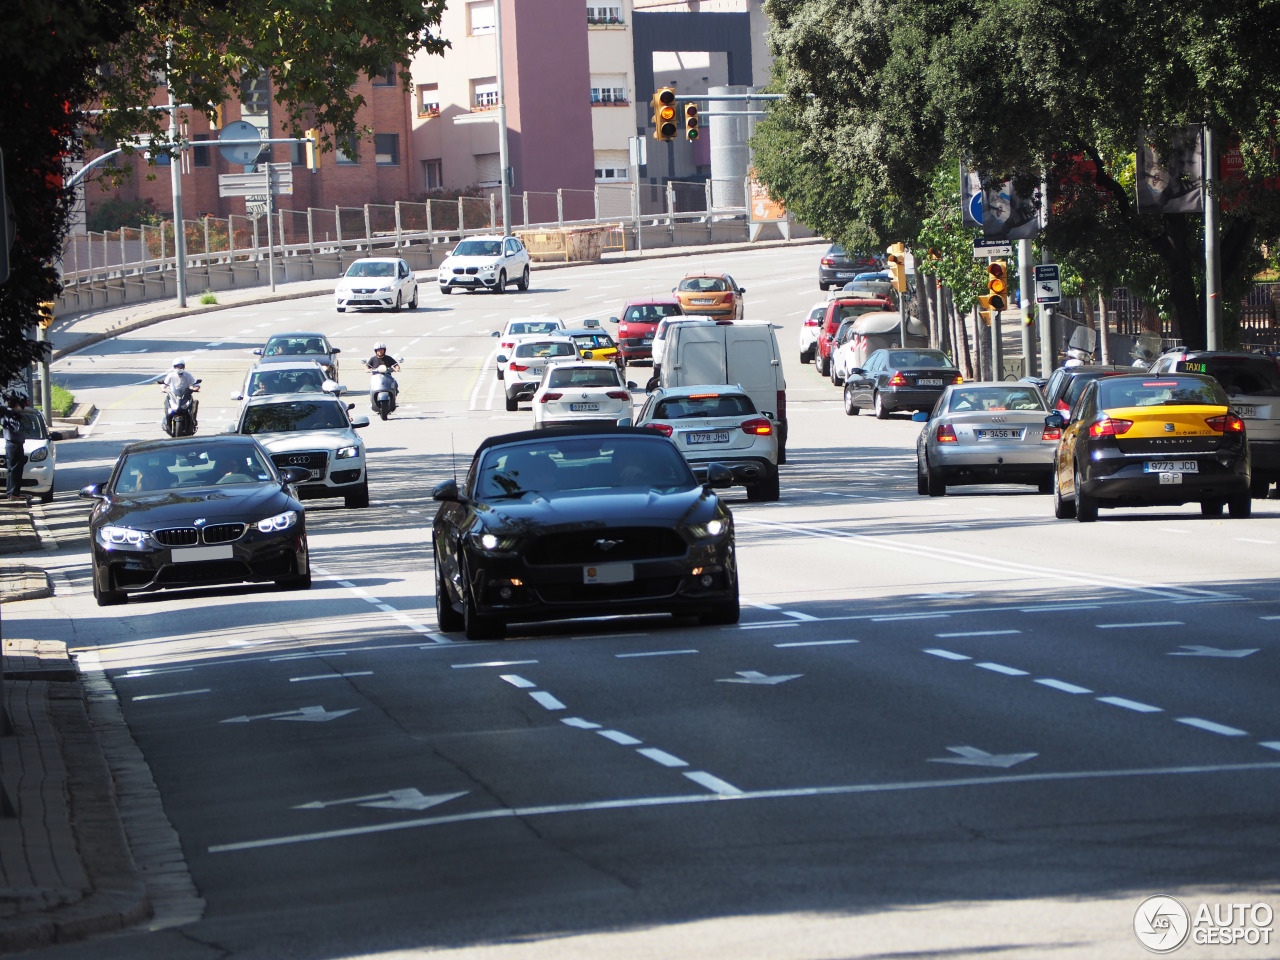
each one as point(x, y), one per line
point(15, 433)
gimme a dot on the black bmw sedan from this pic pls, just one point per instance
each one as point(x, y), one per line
point(193, 512)
point(581, 522)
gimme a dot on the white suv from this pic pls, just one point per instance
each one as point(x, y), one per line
point(579, 392)
point(530, 358)
point(485, 263)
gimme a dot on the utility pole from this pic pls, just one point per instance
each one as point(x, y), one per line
point(503, 156)
point(175, 178)
point(1212, 256)
point(1026, 293)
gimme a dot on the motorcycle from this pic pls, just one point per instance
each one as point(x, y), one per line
point(180, 411)
point(382, 390)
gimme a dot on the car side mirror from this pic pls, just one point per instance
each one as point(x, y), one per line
point(631, 385)
point(351, 406)
point(1055, 421)
point(294, 474)
point(257, 351)
point(93, 491)
point(858, 370)
point(237, 396)
point(613, 319)
point(446, 492)
point(358, 422)
point(495, 334)
point(718, 476)
point(336, 350)
point(55, 435)
point(742, 289)
point(920, 416)
point(330, 387)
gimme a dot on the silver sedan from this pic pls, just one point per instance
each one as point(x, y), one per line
point(985, 433)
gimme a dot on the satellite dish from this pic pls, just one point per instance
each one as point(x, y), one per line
point(242, 153)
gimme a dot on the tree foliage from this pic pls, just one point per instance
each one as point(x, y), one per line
point(881, 91)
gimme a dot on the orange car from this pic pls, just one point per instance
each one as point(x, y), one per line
point(710, 294)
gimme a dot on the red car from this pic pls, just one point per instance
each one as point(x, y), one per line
point(838, 310)
point(640, 318)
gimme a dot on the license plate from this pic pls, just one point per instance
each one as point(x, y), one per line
point(314, 475)
point(1242, 410)
point(222, 551)
point(1171, 466)
point(702, 301)
point(584, 407)
point(609, 573)
point(844, 276)
point(929, 382)
point(1170, 478)
point(999, 434)
point(721, 436)
point(648, 340)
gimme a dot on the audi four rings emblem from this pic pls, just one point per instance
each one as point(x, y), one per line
point(299, 461)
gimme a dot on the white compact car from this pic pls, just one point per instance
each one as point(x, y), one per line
point(718, 423)
point(485, 263)
point(585, 391)
point(529, 359)
point(314, 432)
point(42, 459)
point(384, 283)
point(518, 328)
point(809, 331)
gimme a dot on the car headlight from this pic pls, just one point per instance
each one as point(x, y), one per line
point(113, 536)
point(712, 528)
point(281, 521)
point(39, 455)
point(494, 543)
point(346, 453)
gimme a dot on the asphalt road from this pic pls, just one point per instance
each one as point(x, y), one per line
point(944, 727)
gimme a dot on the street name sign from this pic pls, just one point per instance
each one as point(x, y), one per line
point(992, 248)
point(1048, 289)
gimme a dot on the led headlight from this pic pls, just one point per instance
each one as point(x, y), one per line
point(346, 453)
point(712, 528)
point(489, 541)
point(281, 521)
point(112, 536)
point(39, 455)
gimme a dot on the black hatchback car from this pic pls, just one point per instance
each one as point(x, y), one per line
point(899, 379)
point(581, 522)
point(193, 512)
point(838, 266)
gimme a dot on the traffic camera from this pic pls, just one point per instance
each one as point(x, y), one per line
point(897, 264)
point(691, 121)
point(664, 115)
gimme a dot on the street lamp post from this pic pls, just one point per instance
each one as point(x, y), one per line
point(175, 178)
point(503, 156)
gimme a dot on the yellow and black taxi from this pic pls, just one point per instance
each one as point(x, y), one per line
point(593, 343)
point(1150, 440)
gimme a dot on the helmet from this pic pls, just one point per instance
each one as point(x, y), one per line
point(179, 363)
point(379, 346)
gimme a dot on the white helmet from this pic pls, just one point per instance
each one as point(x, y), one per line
point(179, 362)
point(379, 346)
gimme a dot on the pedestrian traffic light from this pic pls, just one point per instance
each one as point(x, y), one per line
point(691, 121)
point(313, 150)
point(897, 263)
point(664, 115)
point(998, 285)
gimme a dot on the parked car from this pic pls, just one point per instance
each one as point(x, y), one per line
point(839, 310)
point(42, 458)
point(718, 423)
point(529, 358)
point(485, 263)
point(194, 512)
point(290, 347)
point(1151, 439)
point(574, 392)
point(896, 379)
point(809, 331)
point(845, 351)
point(986, 433)
point(1065, 384)
point(316, 433)
point(1251, 382)
point(714, 295)
point(386, 283)
point(638, 324)
point(836, 266)
point(581, 522)
point(305, 376)
point(883, 289)
point(521, 327)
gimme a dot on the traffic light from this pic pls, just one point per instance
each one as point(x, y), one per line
point(897, 263)
point(216, 123)
point(664, 115)
point(998, 284)
point(313, 150)
point(46, 313)
point(691, 121)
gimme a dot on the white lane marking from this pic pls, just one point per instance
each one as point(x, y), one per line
point(547, 701)
point(1130, 704)
point(1172, 530)
point(1251, 540)
point(797, 615)
point(653, 653)
point(153, 672)
point(1057, 607)
point(331, 676)
point(493, 663)
point(633, 803)
point(1270, 744)
point(580, 723)
point(977, 633)
point(768, 624)
point(911, 616)
point(373, 600)
point(1211, 726)
point(1063, 685)
point(518, 681)
point(166, 696)
point(760, 606)
point(303, 656)
point(342, 583)
point(359, 593)
point(662, 757)
point(717, 786)
point(387, 608)
point(1001, 668)
point(1149, 623)
point(947, 654)
point(617, 736)
point(814, 643)
point(1271, 617)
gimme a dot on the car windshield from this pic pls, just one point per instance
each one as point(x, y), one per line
point(372, 268)
point(584, 377)
point(33, 425)
point(651, 312)
point(296, 347)
point(1076, 385)
point(900, 359)
point(543, 348)
point(704, 284)
point(995, 398)
point(1239, 376)
point(263, 382)
point(295, 416)
point(478, 248)
point(1116, 392)
point(533, 326)
point(570, 465)
point(589, 341)
point(704, 405)
point(191, 465)
point(853, 310)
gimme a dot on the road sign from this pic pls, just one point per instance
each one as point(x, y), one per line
point(991, 248)
point(1048, 288)
point(254, 185)
point(242, 153)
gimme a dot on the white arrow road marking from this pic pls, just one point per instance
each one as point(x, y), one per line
point(313, 714)
point(973, 757)
point(1197, 650)
point(755, 676)
point(408, 798)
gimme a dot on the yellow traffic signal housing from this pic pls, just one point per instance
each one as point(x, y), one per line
point(985, 309)
point(897, 262)
point(217, 118)
point(997, 285)
point(691, 121)
point(46, 313)
point(313, 150)
point(664, 115)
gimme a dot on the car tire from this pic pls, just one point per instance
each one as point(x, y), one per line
point(851, 408)
point(765, 490)
point(399, 305)
point(47, 496)
point(107, 598)
point(1086, 506)
point(805, 357)
point(882, 413)
point(836, 379)
point(824, 367)
point(447, 618)
point(822, 286)
point(447, 291)
point(501, 285)
point(1045, 485)
point(359, 498)
point(342, 309)
point(512, 404)
point(922, 478)
point(302, 582)
point(413, 304)
point(1211, 508)
point(477, 627)
point(1240, 507)
point(723, 613)
point(1062, 509)
point(937, 487)
point(523, 283)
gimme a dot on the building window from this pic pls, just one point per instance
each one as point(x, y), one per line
point(432, 175)
point(604, 14)
point(488, 170)
point(484, 93)
point(346, 149)
point(386, 149)
point(428, 100)
point(480, 18)
point(608, 90)
point(611, 174)
point(386, 77)
point(611, 166)
point(255, 94)
point(199, 155)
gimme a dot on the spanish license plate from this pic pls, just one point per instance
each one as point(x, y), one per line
point(648, 340)
point(719, 436)
point(844, 276)
point(584, 407)
point(930, 382)
point(314, 475)
point(222, 551)
point(609, 573)
point(1171, 466)
point(702, 301)
point(1244, 410)
point(999, 434)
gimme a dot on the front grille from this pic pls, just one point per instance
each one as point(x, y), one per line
point(312, 460)
point(223, 532)
point(462, 271)
point(628, 544)
point(581, 593)
point(177, 536)
point(190, 536)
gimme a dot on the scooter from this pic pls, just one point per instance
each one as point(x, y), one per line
point(180, 411)
point(382, 391)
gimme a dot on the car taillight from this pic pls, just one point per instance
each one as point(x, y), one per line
point(516, 368)
point(1063, 405)
point(1227, 423)
point(1051, 433)
point(622, 328)
point(897, 380)
point(812, 323)
point(1109, 427)
point(958, 379)
point(662, 428)
point(508, 346)
point(550, 396)
point(946, 433)
point(828, 262)
point(618, 395)
point(759, 427)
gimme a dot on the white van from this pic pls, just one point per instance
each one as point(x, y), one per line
point(742, 353)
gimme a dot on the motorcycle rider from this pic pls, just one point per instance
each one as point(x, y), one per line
point(381, 358)
point(176, 380)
